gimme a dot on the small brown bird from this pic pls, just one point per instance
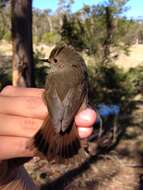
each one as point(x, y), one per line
point(65, 95)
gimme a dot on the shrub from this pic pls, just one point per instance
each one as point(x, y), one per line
point(40, 68)
point(50, 38)
point(7, 36)
point(110, 85)
point(135, 76)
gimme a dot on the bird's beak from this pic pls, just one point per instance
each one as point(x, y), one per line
point(45, 60)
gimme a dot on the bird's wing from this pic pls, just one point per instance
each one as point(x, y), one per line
point(65, 94)
point(72, 103)
point(62, 112)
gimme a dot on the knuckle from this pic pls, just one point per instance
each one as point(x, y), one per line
point(30, 126)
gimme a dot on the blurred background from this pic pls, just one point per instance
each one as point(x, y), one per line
point(109, 35)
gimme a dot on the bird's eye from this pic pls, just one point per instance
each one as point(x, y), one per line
point(55, 60)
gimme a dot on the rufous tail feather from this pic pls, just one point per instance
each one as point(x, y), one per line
point(57, 146)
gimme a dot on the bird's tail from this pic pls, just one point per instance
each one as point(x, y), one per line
point(14, 179)
point(57, 146)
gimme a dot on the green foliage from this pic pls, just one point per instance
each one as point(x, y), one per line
point(135, 76)
point(111, 85)
point(7, 36)
point(41, 69)
point(5, 76)
point(127, 32)
point(5, 25)
point(118, 6)
point(82, 30)
point(64, 6)
point(50, 38)
point(45, 26)
point(87, 29)
point(71, 32)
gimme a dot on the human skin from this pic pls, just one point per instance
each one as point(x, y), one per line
point(22, 112)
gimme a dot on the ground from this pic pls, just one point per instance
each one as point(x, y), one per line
point(119, 169)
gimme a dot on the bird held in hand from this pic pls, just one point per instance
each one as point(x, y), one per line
point(65, 95)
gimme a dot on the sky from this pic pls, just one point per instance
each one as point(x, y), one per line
point(135, 6)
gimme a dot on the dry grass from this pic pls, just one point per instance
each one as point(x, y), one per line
point(134, 59)
point(5, 48)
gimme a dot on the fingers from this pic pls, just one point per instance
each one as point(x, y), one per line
point(23, 106)
point(12, 147)
point(86, 118)
point(19, 126)
point(84, 121)
point(21, 91)
point(25, 102)
point(84, 132)
point(22, 112)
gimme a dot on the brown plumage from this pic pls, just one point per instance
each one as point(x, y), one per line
point(65, 95)
point(15, 178)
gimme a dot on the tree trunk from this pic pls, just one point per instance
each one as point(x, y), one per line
point(109, 33)
point(50, 24)
point(23, 66)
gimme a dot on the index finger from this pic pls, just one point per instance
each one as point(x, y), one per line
point(22, 91)
point(23, 101)
point(23, 106)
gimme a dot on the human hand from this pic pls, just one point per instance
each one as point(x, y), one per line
point(22, 112)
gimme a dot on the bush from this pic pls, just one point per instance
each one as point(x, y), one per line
point(110, 85)
point(7, 36)
point(135, 76)
point(41, 68)
point(50, 38)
